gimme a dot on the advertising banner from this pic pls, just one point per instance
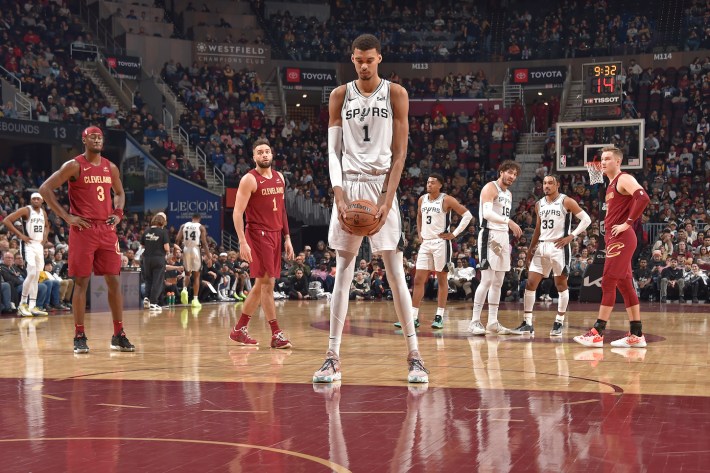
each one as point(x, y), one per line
point(186, 199)
point(256, 56)
point(554, 75)
point(124, 67)
point(296, 77)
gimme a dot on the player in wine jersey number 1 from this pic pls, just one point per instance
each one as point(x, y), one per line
point(92, 218)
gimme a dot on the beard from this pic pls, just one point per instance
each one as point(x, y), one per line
point(264, 165)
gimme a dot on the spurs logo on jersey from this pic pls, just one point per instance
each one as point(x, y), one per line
point(434, 219)
point(502, 205)
point(555, 221)
point(367, 130)
point(191, 234)
point(34, 226)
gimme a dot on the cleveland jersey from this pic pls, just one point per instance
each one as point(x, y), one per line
point(367, 130)
point(192, 234)
point(90, 193)
point(434, 219)
point(502, 205)
point(34, 226)
point(266, 205)
point(555, 221)
point(618, 205)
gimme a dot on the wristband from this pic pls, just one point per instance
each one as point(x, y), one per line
point(118, 213)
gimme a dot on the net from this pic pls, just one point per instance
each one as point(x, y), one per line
point(596, 175)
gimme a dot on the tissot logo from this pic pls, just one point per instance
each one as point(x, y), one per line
point(520, 76)
point(293, 75)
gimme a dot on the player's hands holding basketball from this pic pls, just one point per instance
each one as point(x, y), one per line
point(617, 230)
point(382, 210)
point(515, 228)
point(341, 204)
point(245, 251)
point(76, 221)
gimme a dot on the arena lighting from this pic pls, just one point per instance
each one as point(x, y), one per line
point(305, 96)
point(539, 93)
point(298, 105)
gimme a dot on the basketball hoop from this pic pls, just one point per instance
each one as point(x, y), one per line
point(596, 175)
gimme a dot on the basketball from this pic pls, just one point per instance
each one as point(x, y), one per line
point(360, 217)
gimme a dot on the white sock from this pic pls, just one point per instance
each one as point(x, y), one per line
point(528, 317)
point(528, 301)
point(560, 318)
point(400, 295)
point(339, 301)
point(479, 297)
point(492, 313)
point(415, 313)
point(440, 311)
point(562, 301)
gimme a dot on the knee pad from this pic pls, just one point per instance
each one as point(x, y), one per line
point(628, 292)
point(609, 291)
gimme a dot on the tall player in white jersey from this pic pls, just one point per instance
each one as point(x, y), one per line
point(494, 247)
point(433, 220)
point(34, 237)
point(550, 251)
point(194, 236)
point(367, 145)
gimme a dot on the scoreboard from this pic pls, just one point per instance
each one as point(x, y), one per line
point(601, 84)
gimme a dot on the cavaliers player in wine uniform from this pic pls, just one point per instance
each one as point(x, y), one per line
point(92, 218)
point(261, 195)
point(626, 201)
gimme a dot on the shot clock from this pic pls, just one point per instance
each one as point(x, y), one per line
point(601, 84)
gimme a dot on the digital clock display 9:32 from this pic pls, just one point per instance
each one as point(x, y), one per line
point(601, 83)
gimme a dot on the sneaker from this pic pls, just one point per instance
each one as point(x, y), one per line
point(399, 325)
point(37, 311)
point(499, 329)
point(184, 296)
point(279, 340)
point(476, 328)
point(24, 310)
point(80, 345)
point(417, 372)
point(195, 302)
point(155, 308)
point(630, 341)
point(590, 339)
point(330, 371)
point(120, 343)
point(438, 322)
point(242, 337)
point(523, 329)
point(556, 329)
point(146, 303)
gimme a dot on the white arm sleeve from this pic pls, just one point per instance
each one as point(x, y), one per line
point(465, 220)
point(491, 216)
point(584, 221)
point(335, 150)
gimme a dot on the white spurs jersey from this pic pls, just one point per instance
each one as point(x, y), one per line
point(555, 221)
point(367, 130)
point(434, 219)
point(34, 226)
point(191, 234)
point(502, 205)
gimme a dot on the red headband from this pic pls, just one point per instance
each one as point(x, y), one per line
point(91, 130)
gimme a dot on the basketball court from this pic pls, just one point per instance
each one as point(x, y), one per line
point(189, 399)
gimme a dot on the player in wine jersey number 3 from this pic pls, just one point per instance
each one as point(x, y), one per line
point(92, 218)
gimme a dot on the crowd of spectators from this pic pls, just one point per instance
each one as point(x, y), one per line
point(415, 31)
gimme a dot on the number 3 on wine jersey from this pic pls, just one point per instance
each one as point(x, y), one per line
point(101, 194)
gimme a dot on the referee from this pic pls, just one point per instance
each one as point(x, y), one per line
point(156, 242)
